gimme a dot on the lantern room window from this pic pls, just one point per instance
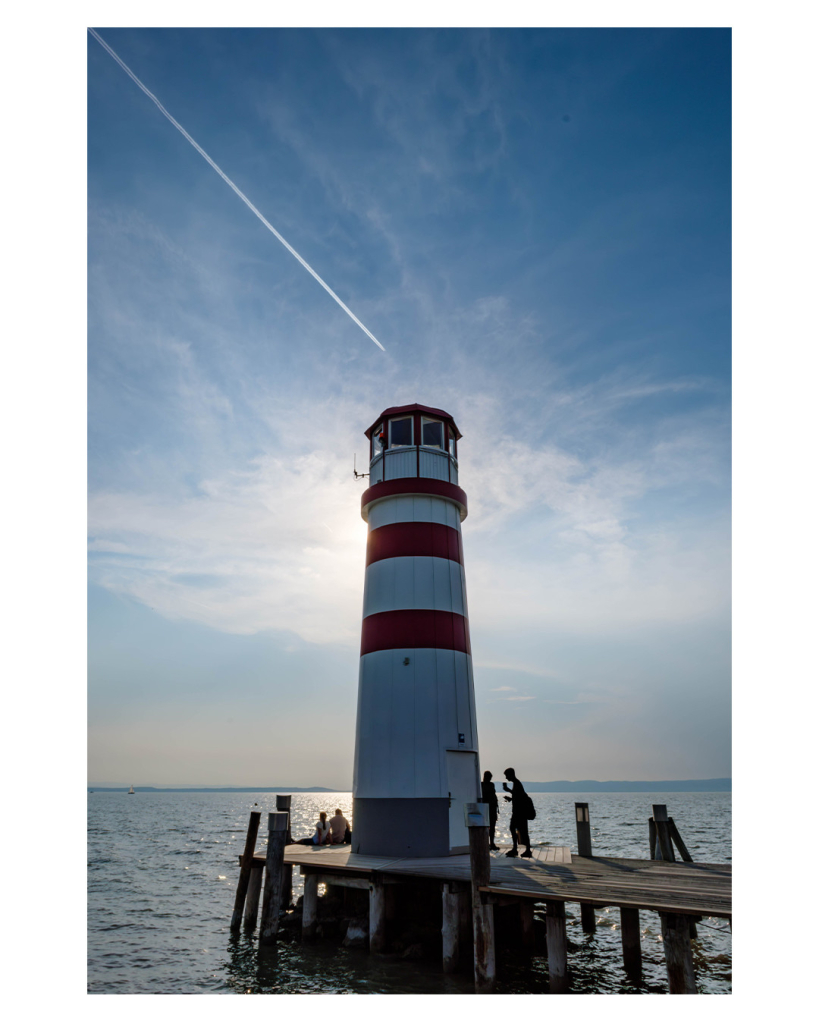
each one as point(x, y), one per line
point(401, 432)
point(432, 433)
point(453, 451)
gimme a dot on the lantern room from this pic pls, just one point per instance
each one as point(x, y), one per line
point(413, 441)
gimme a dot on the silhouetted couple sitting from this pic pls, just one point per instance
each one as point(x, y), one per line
point(329, 833)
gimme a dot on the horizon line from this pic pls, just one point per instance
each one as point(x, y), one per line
point(329, 789)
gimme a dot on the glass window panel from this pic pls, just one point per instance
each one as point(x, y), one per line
point(452, 443)
point(432, 433)
point(379, 440)
point(400, 432)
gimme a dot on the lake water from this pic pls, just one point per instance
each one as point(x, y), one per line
point(163, 867)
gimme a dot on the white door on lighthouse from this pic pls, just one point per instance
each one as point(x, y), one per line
point(462, 780)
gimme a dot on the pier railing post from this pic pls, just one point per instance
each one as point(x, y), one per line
point(483, 918)
point(557, 946)
point(584, 849)
point(283, 804)
point(244, 873)
point(272, 902)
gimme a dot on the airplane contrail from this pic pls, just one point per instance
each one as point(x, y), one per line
point(235, 188)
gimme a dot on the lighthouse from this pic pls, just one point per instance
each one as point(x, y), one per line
point(416, 748)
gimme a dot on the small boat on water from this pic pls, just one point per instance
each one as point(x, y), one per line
point(131, 791)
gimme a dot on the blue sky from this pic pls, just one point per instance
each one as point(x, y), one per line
point(536, 225)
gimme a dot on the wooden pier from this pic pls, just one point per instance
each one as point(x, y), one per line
point(681, 893)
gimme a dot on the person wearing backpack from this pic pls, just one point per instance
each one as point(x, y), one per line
point(522, 813)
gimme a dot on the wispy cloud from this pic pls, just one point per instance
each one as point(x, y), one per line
point(235, 188)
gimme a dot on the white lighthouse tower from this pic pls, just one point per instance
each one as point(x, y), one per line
point(416, 750)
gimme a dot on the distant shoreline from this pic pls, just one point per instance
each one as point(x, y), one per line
point(663, 786)
point(216, 789)
point(563, 786)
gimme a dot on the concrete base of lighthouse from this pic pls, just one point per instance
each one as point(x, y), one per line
point(396, 827)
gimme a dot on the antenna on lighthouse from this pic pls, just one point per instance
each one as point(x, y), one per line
point(356, 474)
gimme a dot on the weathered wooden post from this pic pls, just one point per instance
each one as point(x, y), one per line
point(584, 849)
point(450, 927)
point(686, 856)
point(527, 923)
point(244, 871)
point(272, 902)
point(309, 907)
point(660, 812)
point(677, 838)
point(465, 920)
point(557, 946)
point(483, 918)
point(677, 929)
point(254, 891)
point(630, 934)
point(652, 840)
point(665, 836)
point(283, 804)
point(679, 963)
point(378, 915)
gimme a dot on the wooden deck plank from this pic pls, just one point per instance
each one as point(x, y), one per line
point(552, 874)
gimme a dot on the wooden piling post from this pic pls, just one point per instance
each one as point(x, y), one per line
point(666, 832)
point(679, 962)
point(630, 934)
point(686, 856)
point(677, 839)
point(309, 907)
point(464, 921)
point(272, 902)
point(663, 833)
point(652, 840)
point(584, 849)
point(483, 918)
point(557, 946)
point(254, 891)
point(378, 916)
point(527, 923)
point(283, 804)
point(584, 843)
point(450, 927)
point(244, 872)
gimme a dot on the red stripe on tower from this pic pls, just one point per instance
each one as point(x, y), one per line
point(415, 627)
point(402, 539)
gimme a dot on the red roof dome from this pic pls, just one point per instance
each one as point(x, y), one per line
point(397, 410)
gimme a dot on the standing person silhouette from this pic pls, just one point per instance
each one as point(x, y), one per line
point(489, 796)
point(519, 825)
